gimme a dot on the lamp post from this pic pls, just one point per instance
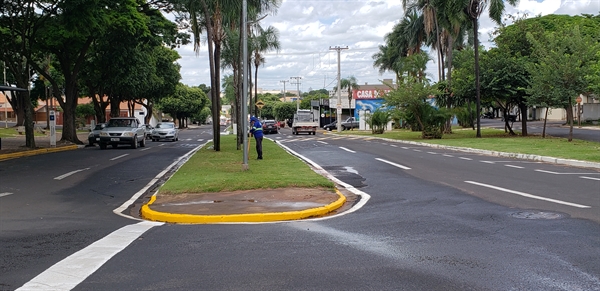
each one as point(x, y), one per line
point(339, 84)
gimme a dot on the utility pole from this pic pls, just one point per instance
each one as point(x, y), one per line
point(284, 96)
point(339, 89)
point(5, 98)
point(244, 87)
point(298, 86)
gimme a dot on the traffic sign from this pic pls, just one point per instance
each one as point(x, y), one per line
point(259, 104)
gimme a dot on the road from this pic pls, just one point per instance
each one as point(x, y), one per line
point(435, 220)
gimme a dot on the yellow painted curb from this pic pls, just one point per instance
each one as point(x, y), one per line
point(36, 152)
point(150, 214)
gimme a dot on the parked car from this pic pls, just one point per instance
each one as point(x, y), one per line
point(270, 126)
point(148, 131)
point(330, 126)
point(165, 130)
point(94, 136)
point(349, 123)
point(123, 130)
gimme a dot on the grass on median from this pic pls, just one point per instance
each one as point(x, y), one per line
point(498, 140)
point(211, 171)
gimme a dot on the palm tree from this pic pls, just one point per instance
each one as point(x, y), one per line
point(349, 84)
point(262, 41)
point(474, 9)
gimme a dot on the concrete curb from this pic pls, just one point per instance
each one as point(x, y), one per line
point(149, 214)
point(530, 157)
point(37, 152)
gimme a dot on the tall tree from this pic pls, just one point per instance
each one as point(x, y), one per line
point(262, 40)
point(474, 9)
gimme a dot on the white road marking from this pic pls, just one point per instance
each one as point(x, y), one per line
point(590, 178)
point(5, 194)
point(393, 145)
point(322, 142)
point(393, 164)
point(488, 162)
point(351, 170)
point(416, 150)
point(404, 148)
point(432, 153)
point(513, 166)
point(200, 139)
point(116, 158)
point(528, 195)
point(347, 150)
point(145, 149)
point(69, 174)
point(71, 271)
point(463, 158)
point(556, 173)
point(450, 156)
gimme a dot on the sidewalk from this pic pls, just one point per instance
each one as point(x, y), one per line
point(14, 147)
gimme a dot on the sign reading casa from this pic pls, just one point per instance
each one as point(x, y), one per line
point(369, 94)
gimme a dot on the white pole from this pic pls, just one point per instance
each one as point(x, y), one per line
point(339, 89)
point(244, 85)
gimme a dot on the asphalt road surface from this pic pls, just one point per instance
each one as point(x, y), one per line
point(428, 220)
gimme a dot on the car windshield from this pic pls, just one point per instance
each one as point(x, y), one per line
point(99, 127)
point(165, 125)
point(120, 123)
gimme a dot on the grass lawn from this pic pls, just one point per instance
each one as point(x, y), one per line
point(497, 140)
point(211, 171)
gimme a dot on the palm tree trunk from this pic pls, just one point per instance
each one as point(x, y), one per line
point(255, 88)
point(477, 85)
point(214, 90)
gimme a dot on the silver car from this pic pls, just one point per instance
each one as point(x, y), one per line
point(165, 130)
point(123, 130)
point(94, 136)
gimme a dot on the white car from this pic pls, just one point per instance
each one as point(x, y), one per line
point(123, 130)
point(165, 130)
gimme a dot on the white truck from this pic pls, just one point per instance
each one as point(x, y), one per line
point(304, 121)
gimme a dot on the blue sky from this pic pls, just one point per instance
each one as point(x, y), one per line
point(308, 28)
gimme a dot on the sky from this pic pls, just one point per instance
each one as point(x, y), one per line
point(308, 29)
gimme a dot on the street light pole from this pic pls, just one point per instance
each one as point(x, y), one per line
point(298, 86)
point(244, 86)
point(339, 89)
point(284, 96)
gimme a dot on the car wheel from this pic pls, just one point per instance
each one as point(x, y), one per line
point(134, 144)
point(102, 146)
point(143, 142)
point(91, 143)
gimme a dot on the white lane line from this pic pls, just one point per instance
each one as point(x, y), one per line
point(200, 139)
point(116, 158)
point(417, 150)
point(145, 149)
point(5, 194)
point(432, 153)
point(450, 156)
point(393, 145)
point(528, 195)
point(72, 270)
point(556, 173)
point(513, 166)
point(347, 150)
point(69, 174)
point(393, 164)
point(590, 178)
point(488, 162)
point(463, 158)
point(322, 142)
point(404, 148)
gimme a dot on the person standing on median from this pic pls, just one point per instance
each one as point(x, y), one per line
point(257, 132)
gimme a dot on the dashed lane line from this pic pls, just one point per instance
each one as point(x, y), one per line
point(69, 174)
point(118, 157)
point(528, 195)
point(589, 178)
point(393, 164)
point(348, 150)
point(5, 194)
point(513, 166)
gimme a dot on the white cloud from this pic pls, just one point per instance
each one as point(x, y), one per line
point(308, 28)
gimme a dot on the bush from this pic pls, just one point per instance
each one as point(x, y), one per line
point(378, 120)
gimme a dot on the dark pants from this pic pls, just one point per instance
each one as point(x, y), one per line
point(259, 146)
